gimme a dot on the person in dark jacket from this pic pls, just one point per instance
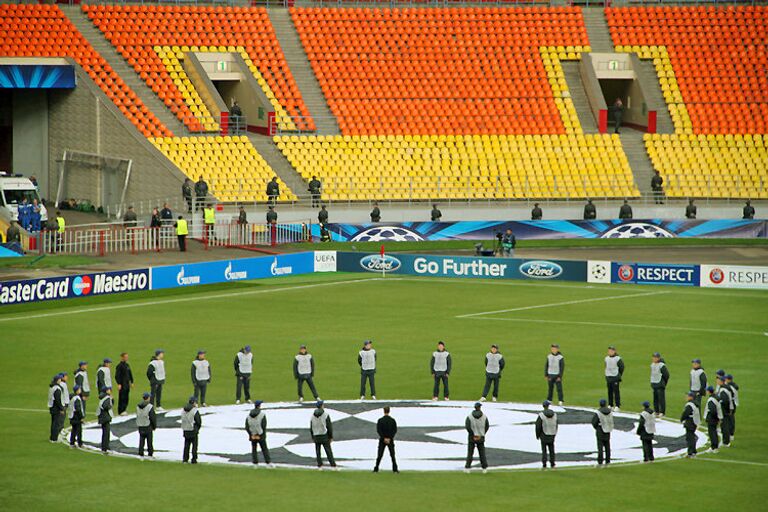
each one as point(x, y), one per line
point(186, 191)
point(625, 212)
point(81, 379)
point(105, 415)
point(273, 190)
point(618, 114)
point(314, 191)
point(325, 233)
point(749, 211)
point(13, 235)
point(657, 187)
point(725, 397)
point(698, 381)
point(156, 376)
point(690, 420)
point(659, 379)
point(546, 430)
point(614, 371)
point(440, 367)
point(435, 215)
point(271, 215)
point(56, 407)
point(130, 218)
point(166, 215)
point(735, 404)
point(104, 375)
point(554, 368)
point(366, 359)
point(304, 371)
point(201, 193)
point(602, 422)
point(646, 429)
point(155, 221)
point(322, 215)
point(146, 422)
point(590, 212)
point(124, 379)
point(494, 365)
point(201, 376)
point(76, 413)
point(191, 422)
point(243, 372)
point(386, 428)
point(376, 213)
point(690, 210)
point(508, 243)
point(713, 415)
point(256, 426)
point(242, 217)
point(536, 212)
point(477, 427)
point(321, 430)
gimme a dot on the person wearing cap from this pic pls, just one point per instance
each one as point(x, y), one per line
point(713, 415)
point(546, 430)
point(64, 389)
point(243, 371)
point(146, 422)
point(690, 419)
point(105, 414)
point(734, 403)
point(321, 429)
point(477, 427)
point(76, 414)
point(659, 379)
point(366, 358)
point(201, 376)
point(55, 407)
point(726, 403)
point(81, 379)
point(602, 422)
point(304, 371)
point(554, 368)
point(191, 422)
point(156, 376)
point(440, 367)
point(124, 379)
point(104, 375)
point(256, 426)
point(494, 365)
point(386, 428)
point(646, 429)
point(614, 370)
point(698, 381)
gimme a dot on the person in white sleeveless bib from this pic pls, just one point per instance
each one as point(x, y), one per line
point(494, 365)
point(602, 422)
point(690, 419)
point(256, 426)
point(477, 427)
point(146, 421)
point(366, 358)
point(56, 407)
point(554, 368)
point(321, 430)
point(191, 422)
point(646, 429)
point(713, 415)
point(440, 367)
point(201, 377)
point(76, 414)
point(156, 376)
point(546, 430)
point(243, 371)
point(105, 415)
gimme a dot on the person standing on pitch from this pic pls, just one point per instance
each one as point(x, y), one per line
point(646, 429)
point(105, 415)
point(546, 430)
point(104, 375)
point(256, 426)
point(304, 371)
point(201, 376)
point(477, 426)
point(614, 370)
point(81, 379)
point(713, 415)
point(386, 427)
point(659, 379)
point(726, 404)
point(190, 427)
point(124, 379)
point(146, 421)
point(554, 368)
point(494, 365)
point(734, 403)
point(55, 407)
point(243, 371)
point(76, 414)
point(440, 366)
point(690, 419)
point(602, 422)
point(156, 376)
point(698, 381)
point(366, 358)
point(64, 389)
point(321, 429)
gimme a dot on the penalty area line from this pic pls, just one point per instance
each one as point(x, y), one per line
point(17, 409)
point(731, 461)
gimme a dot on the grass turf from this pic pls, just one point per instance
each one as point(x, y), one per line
point(405, 317)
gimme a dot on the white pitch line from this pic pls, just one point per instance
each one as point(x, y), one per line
point(16, 409)
point(566, 303)
point(606, 324)
point(731, 461)
point(184, 299)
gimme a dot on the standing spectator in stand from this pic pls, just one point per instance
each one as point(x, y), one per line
point(271, 215)
point(749, 210)
point(181, 233)
point(690, 210)
point(273, 191)
point(657, 187)
point(375, 213)
point(166, 215)
point(242, 217)
point(435, 214)
point(130, 218)
point(209, 221)
point(314, 191)
point(625, 212)
point(618, 114)
point(186, 192)
point(235, 118)
point(156, 223)
point(590, 212)
point(536, 212)
point(36, 216)
point(322, 215)
point(124, 379)
point(201, 193)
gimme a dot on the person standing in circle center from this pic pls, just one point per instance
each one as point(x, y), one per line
point(440, 366)
point(366, 358)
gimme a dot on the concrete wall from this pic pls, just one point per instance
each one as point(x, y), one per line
point(30, 133)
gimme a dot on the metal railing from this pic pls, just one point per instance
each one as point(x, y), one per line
point(244, 235)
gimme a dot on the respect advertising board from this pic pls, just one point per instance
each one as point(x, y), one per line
point(655, 273)
point(68, 287)
point(734, 276)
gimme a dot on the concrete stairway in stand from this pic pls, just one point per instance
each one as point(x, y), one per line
point(597, 30)
point(649, 82)
point(579, 96)
point(634, 148)
point(277, 161)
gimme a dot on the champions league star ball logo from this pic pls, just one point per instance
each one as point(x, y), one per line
point(387, 234)
point(599, 272)
point(637, 230)
point(430, 436)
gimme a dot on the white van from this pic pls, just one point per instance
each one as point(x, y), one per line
point(13, 190)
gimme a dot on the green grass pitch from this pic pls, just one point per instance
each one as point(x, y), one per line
point(333, 313)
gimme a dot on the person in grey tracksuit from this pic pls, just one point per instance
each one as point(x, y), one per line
point(602, 422)
point(646, 429)
point(156, 377)
point(191, 423)
point(243, 371)
point(321, 429)
point(366, 358)
point(713, 415)
point(477, 427)
point(614, 370)
point(81, 379)
point(55, 407)
point(146, 422)
point(554, 367)
point(76, 414)
point(304, 371)
point(698, 382)
point(440, 367)
point(659, 379)
point(104, 375)
point(256, 426)
point(201, 376)
point(726, 403)
point(105, 415)
point(494, 365)
point(546, 430)
point(735, 403)
point(690, 419)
